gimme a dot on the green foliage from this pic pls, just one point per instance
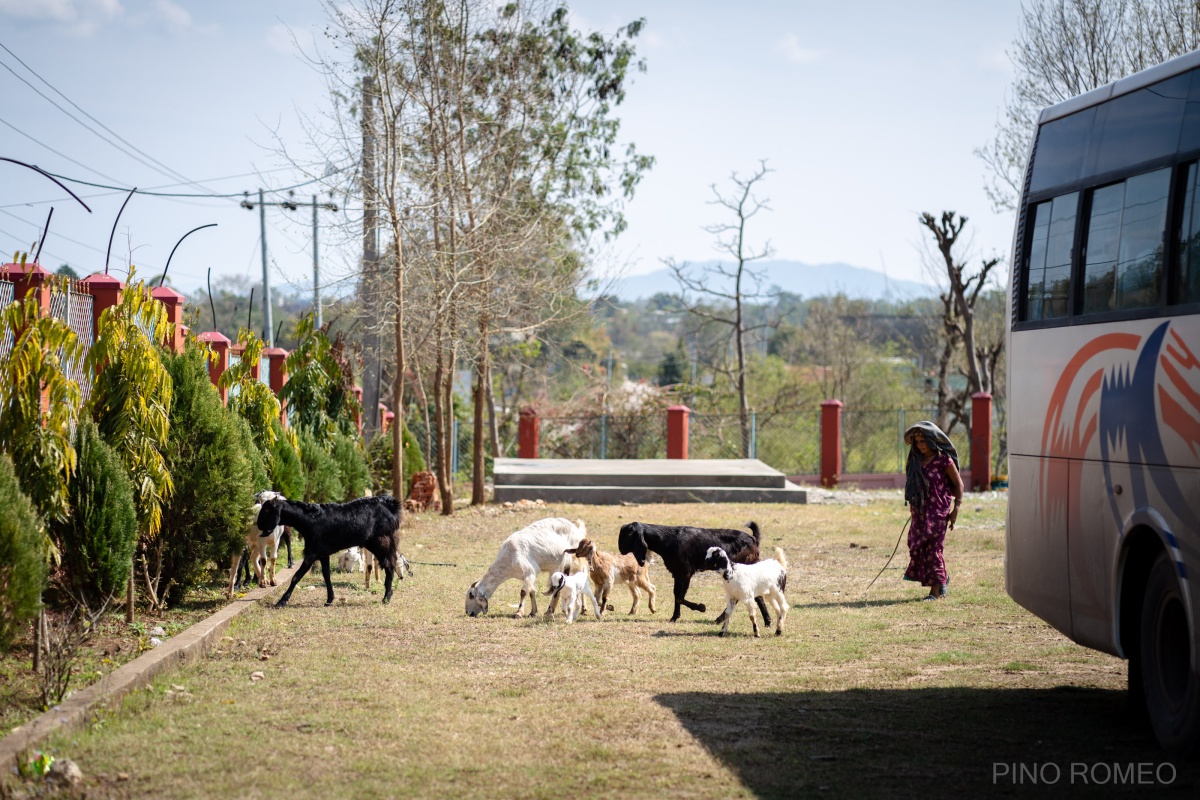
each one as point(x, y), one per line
point(212, 456)
point(287, 473)
point(131, 397)
point(249, 397)
point(379, 453)
point(22, 556)
point(352, 464)
point(37, 432)
point(318, 391)
point(670, 371)
point(99, 536)
point(322, 478)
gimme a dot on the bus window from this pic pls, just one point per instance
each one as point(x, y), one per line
point(1140, 126)
point(1061, 147)
point(1049, 264)
point(1188, 276)
point(1124, 255)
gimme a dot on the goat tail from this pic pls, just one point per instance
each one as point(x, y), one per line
point(753, 526)
point(781, 558)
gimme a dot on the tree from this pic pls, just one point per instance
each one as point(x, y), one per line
point(728, 284)
point(1067, 47)
point(961, 291)
point(22, 556)
point(670, 371)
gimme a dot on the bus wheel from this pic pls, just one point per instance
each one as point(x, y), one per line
point(1172, 689)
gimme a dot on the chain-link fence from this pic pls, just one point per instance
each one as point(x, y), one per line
point(720, 436)
point(461, 435)
point(615, 436)
point(789, 441)
point(75, 308)
point(6, 296)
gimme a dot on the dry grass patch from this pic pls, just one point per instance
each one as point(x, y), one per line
point(864, 695)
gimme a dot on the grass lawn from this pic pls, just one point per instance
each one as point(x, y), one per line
point(878, 695)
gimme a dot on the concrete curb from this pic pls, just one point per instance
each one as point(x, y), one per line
point(75, 711)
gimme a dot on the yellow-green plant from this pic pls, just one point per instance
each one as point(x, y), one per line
point(131, 397)
point(39, 404)
point(249, 397)
point(318, 391)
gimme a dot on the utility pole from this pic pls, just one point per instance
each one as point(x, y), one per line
point(290, 205)
point(369, 284)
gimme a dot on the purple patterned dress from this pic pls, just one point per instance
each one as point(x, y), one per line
point(927, 533)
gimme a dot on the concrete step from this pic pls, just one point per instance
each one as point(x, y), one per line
point(655, 472)
point(615, 495)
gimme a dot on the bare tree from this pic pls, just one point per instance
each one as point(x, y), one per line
point(1067, 47)
point(729, 284)
point(961, 292)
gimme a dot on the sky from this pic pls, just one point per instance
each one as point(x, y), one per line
point(867, 113)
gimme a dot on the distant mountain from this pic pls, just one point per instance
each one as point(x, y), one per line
point(808, 280)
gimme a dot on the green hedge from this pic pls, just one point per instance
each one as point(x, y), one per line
point(322, 477)
point(351, 459)
point(22, 556)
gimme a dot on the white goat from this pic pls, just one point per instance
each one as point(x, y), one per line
point(745, 582)
point(571, 589)
point(264, 550)
point(350, 560)
point(538, 547)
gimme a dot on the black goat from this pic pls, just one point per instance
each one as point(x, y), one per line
point(683, 550)
point(327, 528)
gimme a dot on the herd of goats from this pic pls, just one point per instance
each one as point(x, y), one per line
point(371, 524)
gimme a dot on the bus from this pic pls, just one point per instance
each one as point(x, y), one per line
point(1103, 533)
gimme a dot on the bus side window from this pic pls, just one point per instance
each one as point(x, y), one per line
point(1125, 238)
point(1048, 267)
point(1188, 269)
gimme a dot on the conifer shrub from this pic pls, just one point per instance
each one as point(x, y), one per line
point(216, 468)
point(379, 454)
point(287, 473)
point(351, 459)
point(22, 556)
point(322, 478)
point(98, 538)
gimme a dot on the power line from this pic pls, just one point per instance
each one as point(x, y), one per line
point(137, 154)
point(52, 150)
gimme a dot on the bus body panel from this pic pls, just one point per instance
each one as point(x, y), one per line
point(1092, 539)
point(1035, 552)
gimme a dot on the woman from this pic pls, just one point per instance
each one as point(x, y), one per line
point(933, 490)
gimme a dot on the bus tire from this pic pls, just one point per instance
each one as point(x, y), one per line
point(1171, 687)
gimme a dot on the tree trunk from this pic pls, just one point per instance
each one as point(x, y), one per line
point(449, 442)
point(493, 428)
point(478, 491)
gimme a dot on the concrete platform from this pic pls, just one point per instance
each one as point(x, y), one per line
point(612, 481)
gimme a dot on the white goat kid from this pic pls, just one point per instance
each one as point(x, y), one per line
point(744, 582)
point(350, 560)
point(570, 591)
point(538, 547)
point(264, 550)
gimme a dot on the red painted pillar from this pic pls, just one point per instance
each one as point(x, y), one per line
point(528, 433)
point(28, 277)
point(277, 377)
point(384, 415)
point(173, 301)
point(219, 343)
point(831, 442)
point(389, 419)
point(106, 293)
point(981, 441)
point(677, 431)
point(358, 413)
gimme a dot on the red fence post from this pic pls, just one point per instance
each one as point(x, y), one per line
point(358, 414)
point(831, 442)
point(383, 419)
point(277, 377)
point(26, 277)
point(528, 433)
point(677, 431)
point(219, 343)
point(173, 301)
point(106, 293)
point(981, 441)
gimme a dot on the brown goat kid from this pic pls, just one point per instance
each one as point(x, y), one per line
point(606, 568)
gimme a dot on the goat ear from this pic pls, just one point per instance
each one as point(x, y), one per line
point(572, 550)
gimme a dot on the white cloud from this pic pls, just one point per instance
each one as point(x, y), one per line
point(790, 48)
point(280, 39)
point(175, 16)
point(81, 17)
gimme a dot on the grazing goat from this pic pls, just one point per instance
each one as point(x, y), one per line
point(605, 568)
point(571, 589)
point(350, 560)
point(369, 522)
point(746, 582)
point(539, 547)
point(683, 549)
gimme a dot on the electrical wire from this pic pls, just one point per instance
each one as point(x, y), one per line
point(52, 150)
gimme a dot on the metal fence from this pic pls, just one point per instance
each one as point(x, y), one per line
point(461, 435)
point(6, 296)
point(616, 436)
point(75, 308)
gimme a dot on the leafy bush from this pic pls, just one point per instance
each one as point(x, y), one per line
point(97, 540)
point(379, 454)
point(351, 459)
point(322, 478)
point(22, 556)
point(209, 453)
point(287, 473)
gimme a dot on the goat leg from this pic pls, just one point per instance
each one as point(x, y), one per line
point(728, 615)
point(287, 541)
point(389, 571)
point(762, 606)
point(682, 582)
point(305, 565)
point(328, 580)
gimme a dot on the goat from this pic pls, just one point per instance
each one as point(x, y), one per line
point(571, 589)
point(369, 522)
point(746, 582)
point(370, 566)
point(605, 568)
point(683, 549)
point(350, 560)
point(539, 547)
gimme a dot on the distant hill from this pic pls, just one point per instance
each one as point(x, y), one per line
point(808, 280)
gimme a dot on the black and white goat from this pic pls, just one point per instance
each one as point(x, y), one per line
point(683, 549)
point(368, 522)
point(570, 591)
point(746, 582)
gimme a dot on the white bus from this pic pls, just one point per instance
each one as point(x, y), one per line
point(1103, 537)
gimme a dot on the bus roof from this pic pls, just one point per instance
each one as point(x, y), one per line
point(1132, 83)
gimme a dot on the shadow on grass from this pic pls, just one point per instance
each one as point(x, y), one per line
point(897, 601)
point(931, 742)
